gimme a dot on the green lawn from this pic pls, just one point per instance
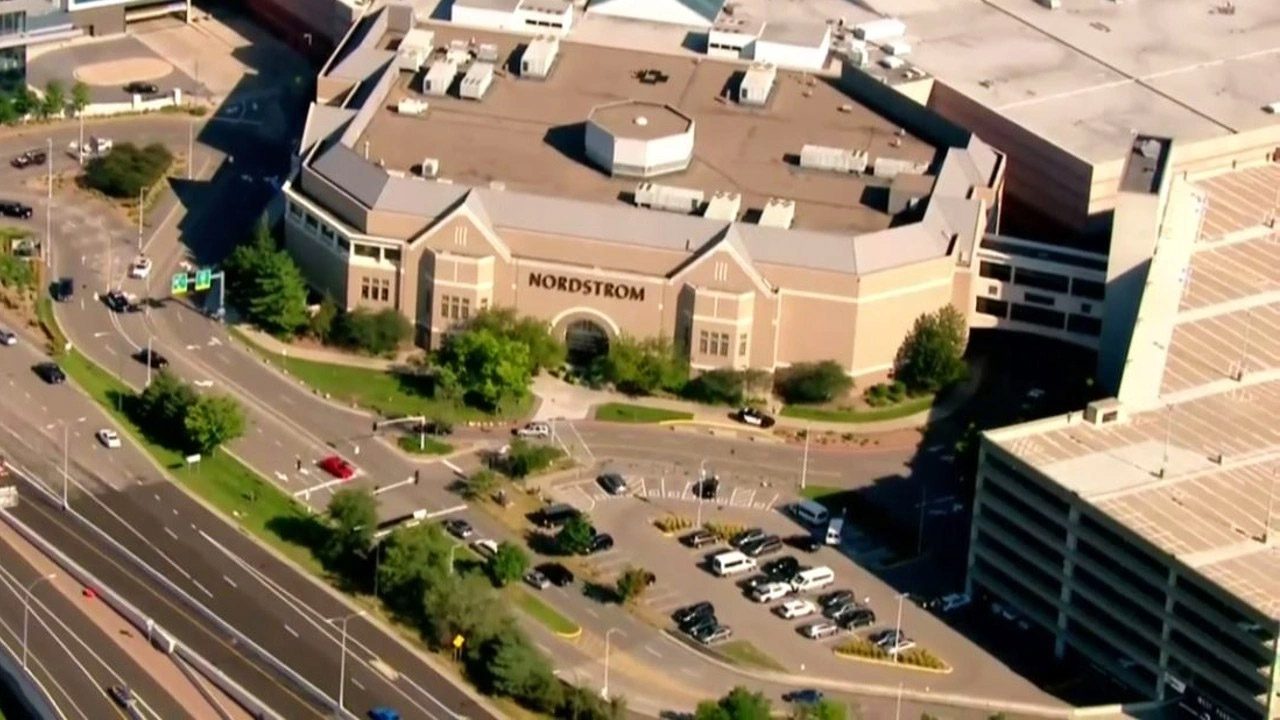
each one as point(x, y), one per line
point(625, 413)
point(893, 412)
point(220, 479)
point(387, 393)
point(544, 613)
point(416, 445)
point(742, 652)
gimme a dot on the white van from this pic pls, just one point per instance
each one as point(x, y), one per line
point(731, 563)
point(810, 512)
point(812, 579)
point(835, 530)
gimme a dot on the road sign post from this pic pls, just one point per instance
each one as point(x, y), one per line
point(179, 284)
point(204, 279)
point(9, 497)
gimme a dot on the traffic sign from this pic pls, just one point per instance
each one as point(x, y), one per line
point(458, 642)
point(204, 279)
point(179, 285)
point(9, 496)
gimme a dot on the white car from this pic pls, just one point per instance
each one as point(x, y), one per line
point(769, 592)
point(109, 438)
point(901, 646)
point(8, 338)
point(486, 548)
point(820, 630)
point(534, 430)
point(140, 268)
point(792, 609)
point(952, 602)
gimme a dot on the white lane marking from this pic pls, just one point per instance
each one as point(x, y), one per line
point(203, 589)
point(356, 683)
point(229, 581)
point(291, 631)
point(592, 613)
point(171, 533)
point(652, 652)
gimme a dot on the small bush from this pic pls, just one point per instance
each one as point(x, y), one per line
point(633, 582)
point(524, 459)
point(812, 382)
point(376, 333)
point(723, 531)
point(16, 273)
point(716, 387)
point(917, 656)
point(127, 170)
point(673, 523)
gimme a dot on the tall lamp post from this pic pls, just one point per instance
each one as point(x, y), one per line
point(26, 612)
point(604, 691)
point(897, 626)
point(342, 662)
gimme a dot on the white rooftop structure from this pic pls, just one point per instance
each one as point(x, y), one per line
point(690, 13)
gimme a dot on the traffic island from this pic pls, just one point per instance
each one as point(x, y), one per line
point(916, 658)
point(638, 414)
point(551, 618)
point(420, 445)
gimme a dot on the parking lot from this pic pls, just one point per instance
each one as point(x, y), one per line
point(684, 578)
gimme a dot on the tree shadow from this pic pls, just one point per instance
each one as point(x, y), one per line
point(601, 593)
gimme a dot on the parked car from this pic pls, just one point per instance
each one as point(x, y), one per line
point(29, 159)
point(613, 483)
point(819, 630)
point(383, 713)
point(689, 613)
point(836, 598)
point(717, 633)
point(747, 536)
point(707, 488)
point(108, 437)
point(902, 645)
point(807, 696)
point(698, 538)
point(753, 417)
point(784, 568)
point(138, 87)
point(8, 338)
point(949, 603)
point(337, 467)
point(859, 617)
point(50, 373)
point(807, 542)
point(149, 356)
point(838, 613)
point(764, 546)
point(458, 528)
point(553, 516)
point(884, 638)
point(792, 609)
point(537, 579)
point(485, 548)
point(14, 209)
point(769, 592)
point(94, 147)
point(600, 543)
point(559, 575)
point(534, 430)
point(140, 268)
point(63, 289)
point(700, 625)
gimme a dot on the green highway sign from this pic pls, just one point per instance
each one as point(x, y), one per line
point(204, 279)
point(179, 286)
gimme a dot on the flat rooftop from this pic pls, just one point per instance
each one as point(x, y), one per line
point(528, 134)
point(1197, 476)
point(640, 120)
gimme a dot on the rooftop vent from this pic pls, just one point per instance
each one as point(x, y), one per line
point(723, 206)
point(778, 213)
point(668, 197)
point(1149, 149)
point(1103, 412)
point(819, 157)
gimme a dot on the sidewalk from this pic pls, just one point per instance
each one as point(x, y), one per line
point(317, 353)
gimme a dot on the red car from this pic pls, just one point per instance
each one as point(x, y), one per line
point(338, 467)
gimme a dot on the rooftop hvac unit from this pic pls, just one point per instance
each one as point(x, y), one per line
point(430, 167)
point(477, 81)
point(890, 62)
point(818, 157)
point(724, 206)
point(898, 48)
point(439, 77)
point(488, 52)
point(538, 56)
point(459, 52)
point(887, 167)
point(409, 106)
point(757, 84)
point(778, 213)
point(415, 49)
point(667, 197)
point(880, 30)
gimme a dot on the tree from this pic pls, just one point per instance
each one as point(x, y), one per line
point(161, 409)
point(412, 558)
point(25, 101)
point(212, 421)
point(642, 367)
point(932, 355)
point(824, 709)
point(463, 605)
point(633, 582)
point(376, 333)
point(484, 368)
point(55, 98)
point(508, 564)
point(517, 669)
point(478, 484)
point(582, 704)
point(8, 109)
point(353, 518)
point(266, 284)
point(79, 96)
point(739, 704)
point(720, 386)
point(575, 536)
point(321, 323)
point(812, 382)
point(545, 352)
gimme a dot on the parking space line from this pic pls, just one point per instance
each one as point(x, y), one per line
point(586, 495)
point(652, 652)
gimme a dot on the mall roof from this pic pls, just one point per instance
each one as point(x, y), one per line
point(1197, 474)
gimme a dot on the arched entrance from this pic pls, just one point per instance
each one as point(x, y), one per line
point(585, 340)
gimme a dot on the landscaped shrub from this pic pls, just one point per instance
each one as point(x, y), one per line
point(127, 170)
point(812, 382)
point(723, 531)
point(719, 387)
point(524, 459)
point(377, 333)
point(673, 523)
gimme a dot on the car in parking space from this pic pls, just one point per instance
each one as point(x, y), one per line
point(754, 582)
point(765, 546)
point(687, 614)
point(887, 637)
point(485, 547)
point(707, 488)
point(902, 645)
point(837, 613)
point(383, 713)
point(753, 417)
point(858, 617)
point(600, 543)
point(807, 696)
point(108, 437)
point(713, 634)
point(140, 268)
point(698, 625)
point(559, 575)
point(948, 603)
point(819, 630)
point(613, 483)
point(139, 87)
point(15, 209)
point(698, 538)
point(784, 568)
point(836, 598)
point(553, 516)
point(807, 542)
point(50, 373)
point(537, 579)
point(150, 357)
point(534, 430)
point(771, 591)
point(458, 528)
point(7, 338)
point(747, 536)
point(337, 466)
point(792, 609)
point(122, 696)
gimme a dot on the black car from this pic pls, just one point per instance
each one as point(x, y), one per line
point(152, 358)
point(747, 537)
point(116, 300)
point(29, 158)
point(836, 598)
point(50, 373)
point(12, 209)
point(138, 87)
point(600, 543)
point(553, 516)
point(857, 618)
point(63, 289)
point(782, 569)
point(613, 483)
point(698, 538)
point(689, 613)
point(808, 696)
point(754, 582)
point(700, 625)
point(707, 488)
point(764, 546)
point(459, 528)
point(839, 613)
point(122, 695)
point(753, 417)
point(559, 575)
point(804, 541)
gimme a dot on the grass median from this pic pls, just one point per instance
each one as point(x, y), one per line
point(535, 608)
point(638, 414)
point(742, 652)
point(423, 445)
point(903, 409)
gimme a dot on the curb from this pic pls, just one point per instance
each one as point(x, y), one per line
point(888, 663)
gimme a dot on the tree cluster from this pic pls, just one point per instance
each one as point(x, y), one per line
point(174, 414)
point(417, 582)
point(266, 285)
point(743, 704)
point(932, 355)
point(574, 537)
point(22, 103)
point(126, 170)
point(642, 367)
point(483, 368)
point(523, 459)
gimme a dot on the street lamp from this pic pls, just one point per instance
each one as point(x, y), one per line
point(342, 663)
point(702, 486)
point(26, 611)
point(66, 476)
point(804, 464)
point(897, 626)
point(604, 691)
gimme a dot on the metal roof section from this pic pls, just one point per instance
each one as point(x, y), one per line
point(706, 9)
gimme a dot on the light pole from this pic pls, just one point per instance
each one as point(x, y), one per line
point(342, 663)
point(48, 205)
point(148, 362)
point(191, 146)
point(604, 691)
point(26, 612)
point(140, 214)
point(897, 707)
point(80, 145)
point(897, 626)
point(804, 464)
point(702, 486)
